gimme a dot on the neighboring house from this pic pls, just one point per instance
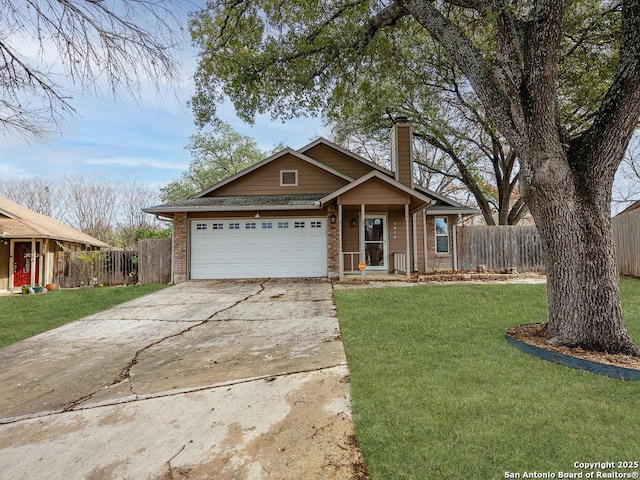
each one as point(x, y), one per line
point(315, 212)
point(29, 245)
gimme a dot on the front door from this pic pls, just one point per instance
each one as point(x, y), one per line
point(22, 263)
point(375, 241)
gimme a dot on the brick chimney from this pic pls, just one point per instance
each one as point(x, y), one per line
point(401, 151)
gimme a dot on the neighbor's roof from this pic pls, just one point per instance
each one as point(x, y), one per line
point(240, 202)
point(630, 208)
point(17, 221)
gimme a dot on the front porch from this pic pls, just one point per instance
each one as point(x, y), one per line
point(377, 236)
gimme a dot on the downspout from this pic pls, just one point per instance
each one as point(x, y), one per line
point(173, 253)
point(406, 231)
point(424, 239)
point(414, 229)
point(455, 244)
point(362, 234)
point(341, 259)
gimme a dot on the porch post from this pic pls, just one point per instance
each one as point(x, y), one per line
point(362, 252)
point(341, 258)
point(44, 269)
point(12, 263)
point(33, 261)
point(406, 228)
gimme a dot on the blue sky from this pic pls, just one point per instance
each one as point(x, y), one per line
point(139, 139)
point(125, 140)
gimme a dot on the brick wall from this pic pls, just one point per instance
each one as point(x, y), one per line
point(180, 239)
point(438, 261)
point(333, 250)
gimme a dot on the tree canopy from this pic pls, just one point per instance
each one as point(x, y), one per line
point(216, 155)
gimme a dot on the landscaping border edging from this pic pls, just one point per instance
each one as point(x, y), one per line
point(613, 371)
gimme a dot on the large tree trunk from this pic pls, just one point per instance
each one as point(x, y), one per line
point(582, 275)
point(566, 182)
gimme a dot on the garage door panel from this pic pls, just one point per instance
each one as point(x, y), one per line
point(290, 247)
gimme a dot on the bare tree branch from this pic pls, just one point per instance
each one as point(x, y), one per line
point(49, 47)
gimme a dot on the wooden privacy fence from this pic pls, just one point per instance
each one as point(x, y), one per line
point(151, 263)
point(626, 235)
point(154, 260)
point(500, 248)
point(106, 267)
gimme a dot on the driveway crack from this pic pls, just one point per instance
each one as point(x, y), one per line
point(125, 374)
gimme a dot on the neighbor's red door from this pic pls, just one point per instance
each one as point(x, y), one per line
point(22, 264)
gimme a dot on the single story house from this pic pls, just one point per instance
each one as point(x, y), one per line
point(319, 211)
point(29, 244)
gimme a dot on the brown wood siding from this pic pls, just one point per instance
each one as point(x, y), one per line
point(397, 236)
point(266, 180)
point(338, 161)
point(350, 237)
point(403, 153)
point(419, 240)
point(4, 266)
point(439, 261)
point(374, 192)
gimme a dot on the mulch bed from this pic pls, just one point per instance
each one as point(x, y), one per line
point(535, 334)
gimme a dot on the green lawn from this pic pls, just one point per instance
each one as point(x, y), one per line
point(439, 394)
point(23, 316)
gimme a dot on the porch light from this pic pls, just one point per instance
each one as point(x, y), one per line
point(353, 222)
point(333, 218)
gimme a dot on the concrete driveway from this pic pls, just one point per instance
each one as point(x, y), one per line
point(224, 380)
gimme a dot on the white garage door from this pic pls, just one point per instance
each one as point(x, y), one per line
point(258, 248)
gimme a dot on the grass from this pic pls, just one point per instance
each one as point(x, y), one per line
point(22, 316)
point(438, 393)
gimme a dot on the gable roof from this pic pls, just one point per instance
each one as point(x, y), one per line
point(268, 160)
point(443, 205)
point(375, 174)
point(354, 156)
point(22, 222)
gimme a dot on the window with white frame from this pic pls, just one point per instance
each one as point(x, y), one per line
point(288, 178)
point(442, 234)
